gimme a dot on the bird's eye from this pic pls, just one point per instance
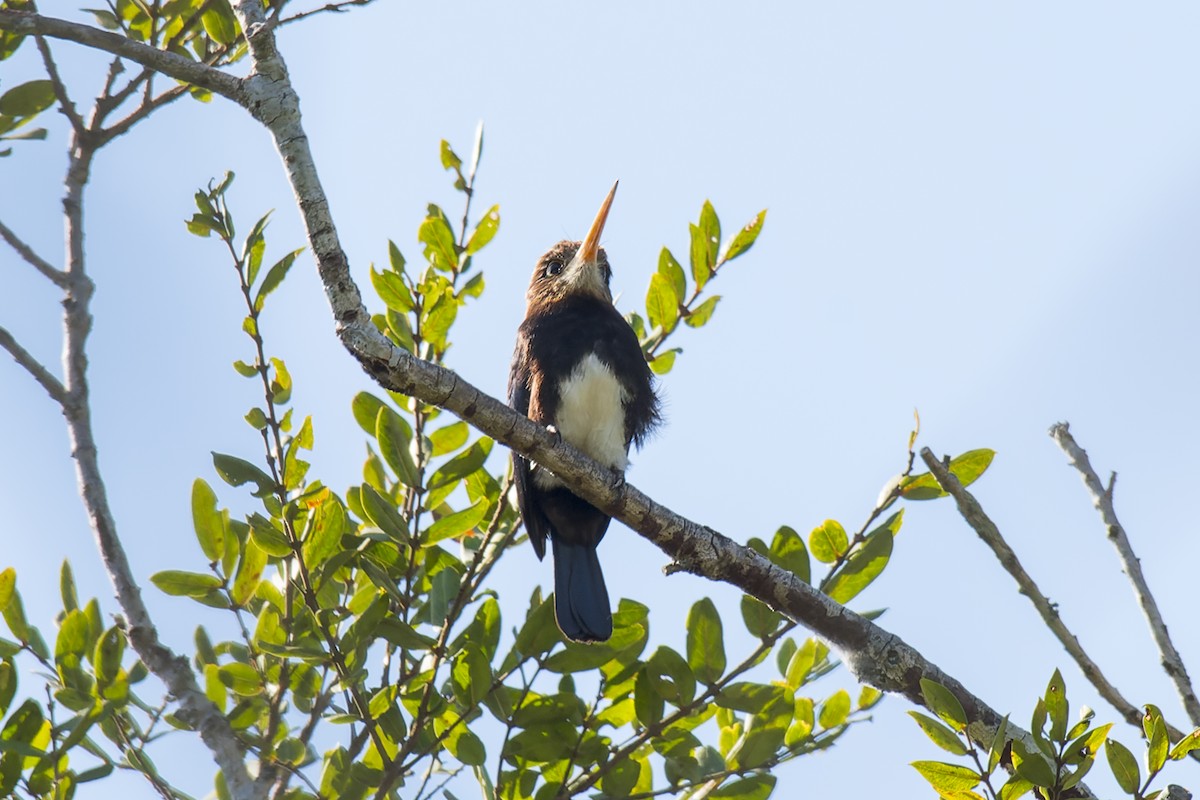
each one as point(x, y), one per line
point(553, 268)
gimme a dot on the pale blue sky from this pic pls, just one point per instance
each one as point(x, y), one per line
point(985, 211)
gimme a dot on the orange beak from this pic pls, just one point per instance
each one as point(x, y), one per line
point(591, 243)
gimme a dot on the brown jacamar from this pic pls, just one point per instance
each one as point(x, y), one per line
point(578, 368)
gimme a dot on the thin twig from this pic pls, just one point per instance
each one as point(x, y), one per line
point(1102, 499)
point(34, 367)
point(975, 516)
point(336, 8)
point(56, 276)
point(60, 89)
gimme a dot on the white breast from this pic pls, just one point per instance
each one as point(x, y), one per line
point(591, 416)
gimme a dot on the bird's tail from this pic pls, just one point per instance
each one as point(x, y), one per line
point(580, 597)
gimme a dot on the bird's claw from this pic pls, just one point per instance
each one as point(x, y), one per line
point(555, 433)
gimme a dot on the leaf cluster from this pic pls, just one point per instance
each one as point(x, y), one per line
point(1051, 762)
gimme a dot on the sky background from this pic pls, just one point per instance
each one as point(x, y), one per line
point(983, 211)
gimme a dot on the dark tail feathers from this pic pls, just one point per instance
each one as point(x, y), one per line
point(580, 597)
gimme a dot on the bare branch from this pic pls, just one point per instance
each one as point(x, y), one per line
point(975, 516)
point(1102, 499)
point(34, 367)
point(57, 276)
point(336, 8)
point(172, 64)
point(172, 669)
point(60, 89)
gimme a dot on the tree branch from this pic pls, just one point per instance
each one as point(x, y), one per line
point(56, 276)
point(60, 89)
point(172, 64)
point(173, 670)
point(975, 516)
point(1102, 499)
point(34, 367)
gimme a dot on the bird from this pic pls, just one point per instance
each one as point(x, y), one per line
point(578, 369)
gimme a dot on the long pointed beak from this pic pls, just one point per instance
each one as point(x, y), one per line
point(591, 243)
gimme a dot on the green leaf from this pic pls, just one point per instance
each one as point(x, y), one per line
point(325, 535)
point(220, 24)
point(752, 698)
point(382, 513)
point(443, 589)
point(744, 239)
point(394, 436)
point(539, 633)
point(942, 736)
point(828, 541)
point(673, 678)
point(662, 305)
point(966, 467)
point(462, 465)
point(1031, 765)
point(862, 567)
point(401, 634)
point(947, 777)
point(756, 787)
point(72, 639)
point(1056, 706)
point(450, 438)
point(110, 649)
point(281, 383)
point(1124, 766)
point(669, 268)
point(760, 620)
point(249, 573)
point(27, 99)
point(801, 664)
point(438, 239)
point(710, 228)
point(66, 587)
point(185, 584)
point(788, 551)
point(275, 276)
point(241, 678)
point(365, 407)
point(392, 291)
point(702, 262)
point(702, 313)
point(1186, 745)
point(485, 229)
point(268, 537)
point(245, 370)
point(705, 642)
point(8, 586)
point(835, 710)
point(208, 522)
point(1159, 741)
point(663, 362)
point(996, 751)
point(466, 747)
point(940, 701)
point(456, 524)
point(236, 471)
point(450, 159)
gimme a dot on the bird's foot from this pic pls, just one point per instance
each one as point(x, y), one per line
point(555, 432)
point(617, 483)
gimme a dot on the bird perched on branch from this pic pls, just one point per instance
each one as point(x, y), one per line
point(578, 368)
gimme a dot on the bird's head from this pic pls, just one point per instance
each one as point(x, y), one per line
point(570, 268)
